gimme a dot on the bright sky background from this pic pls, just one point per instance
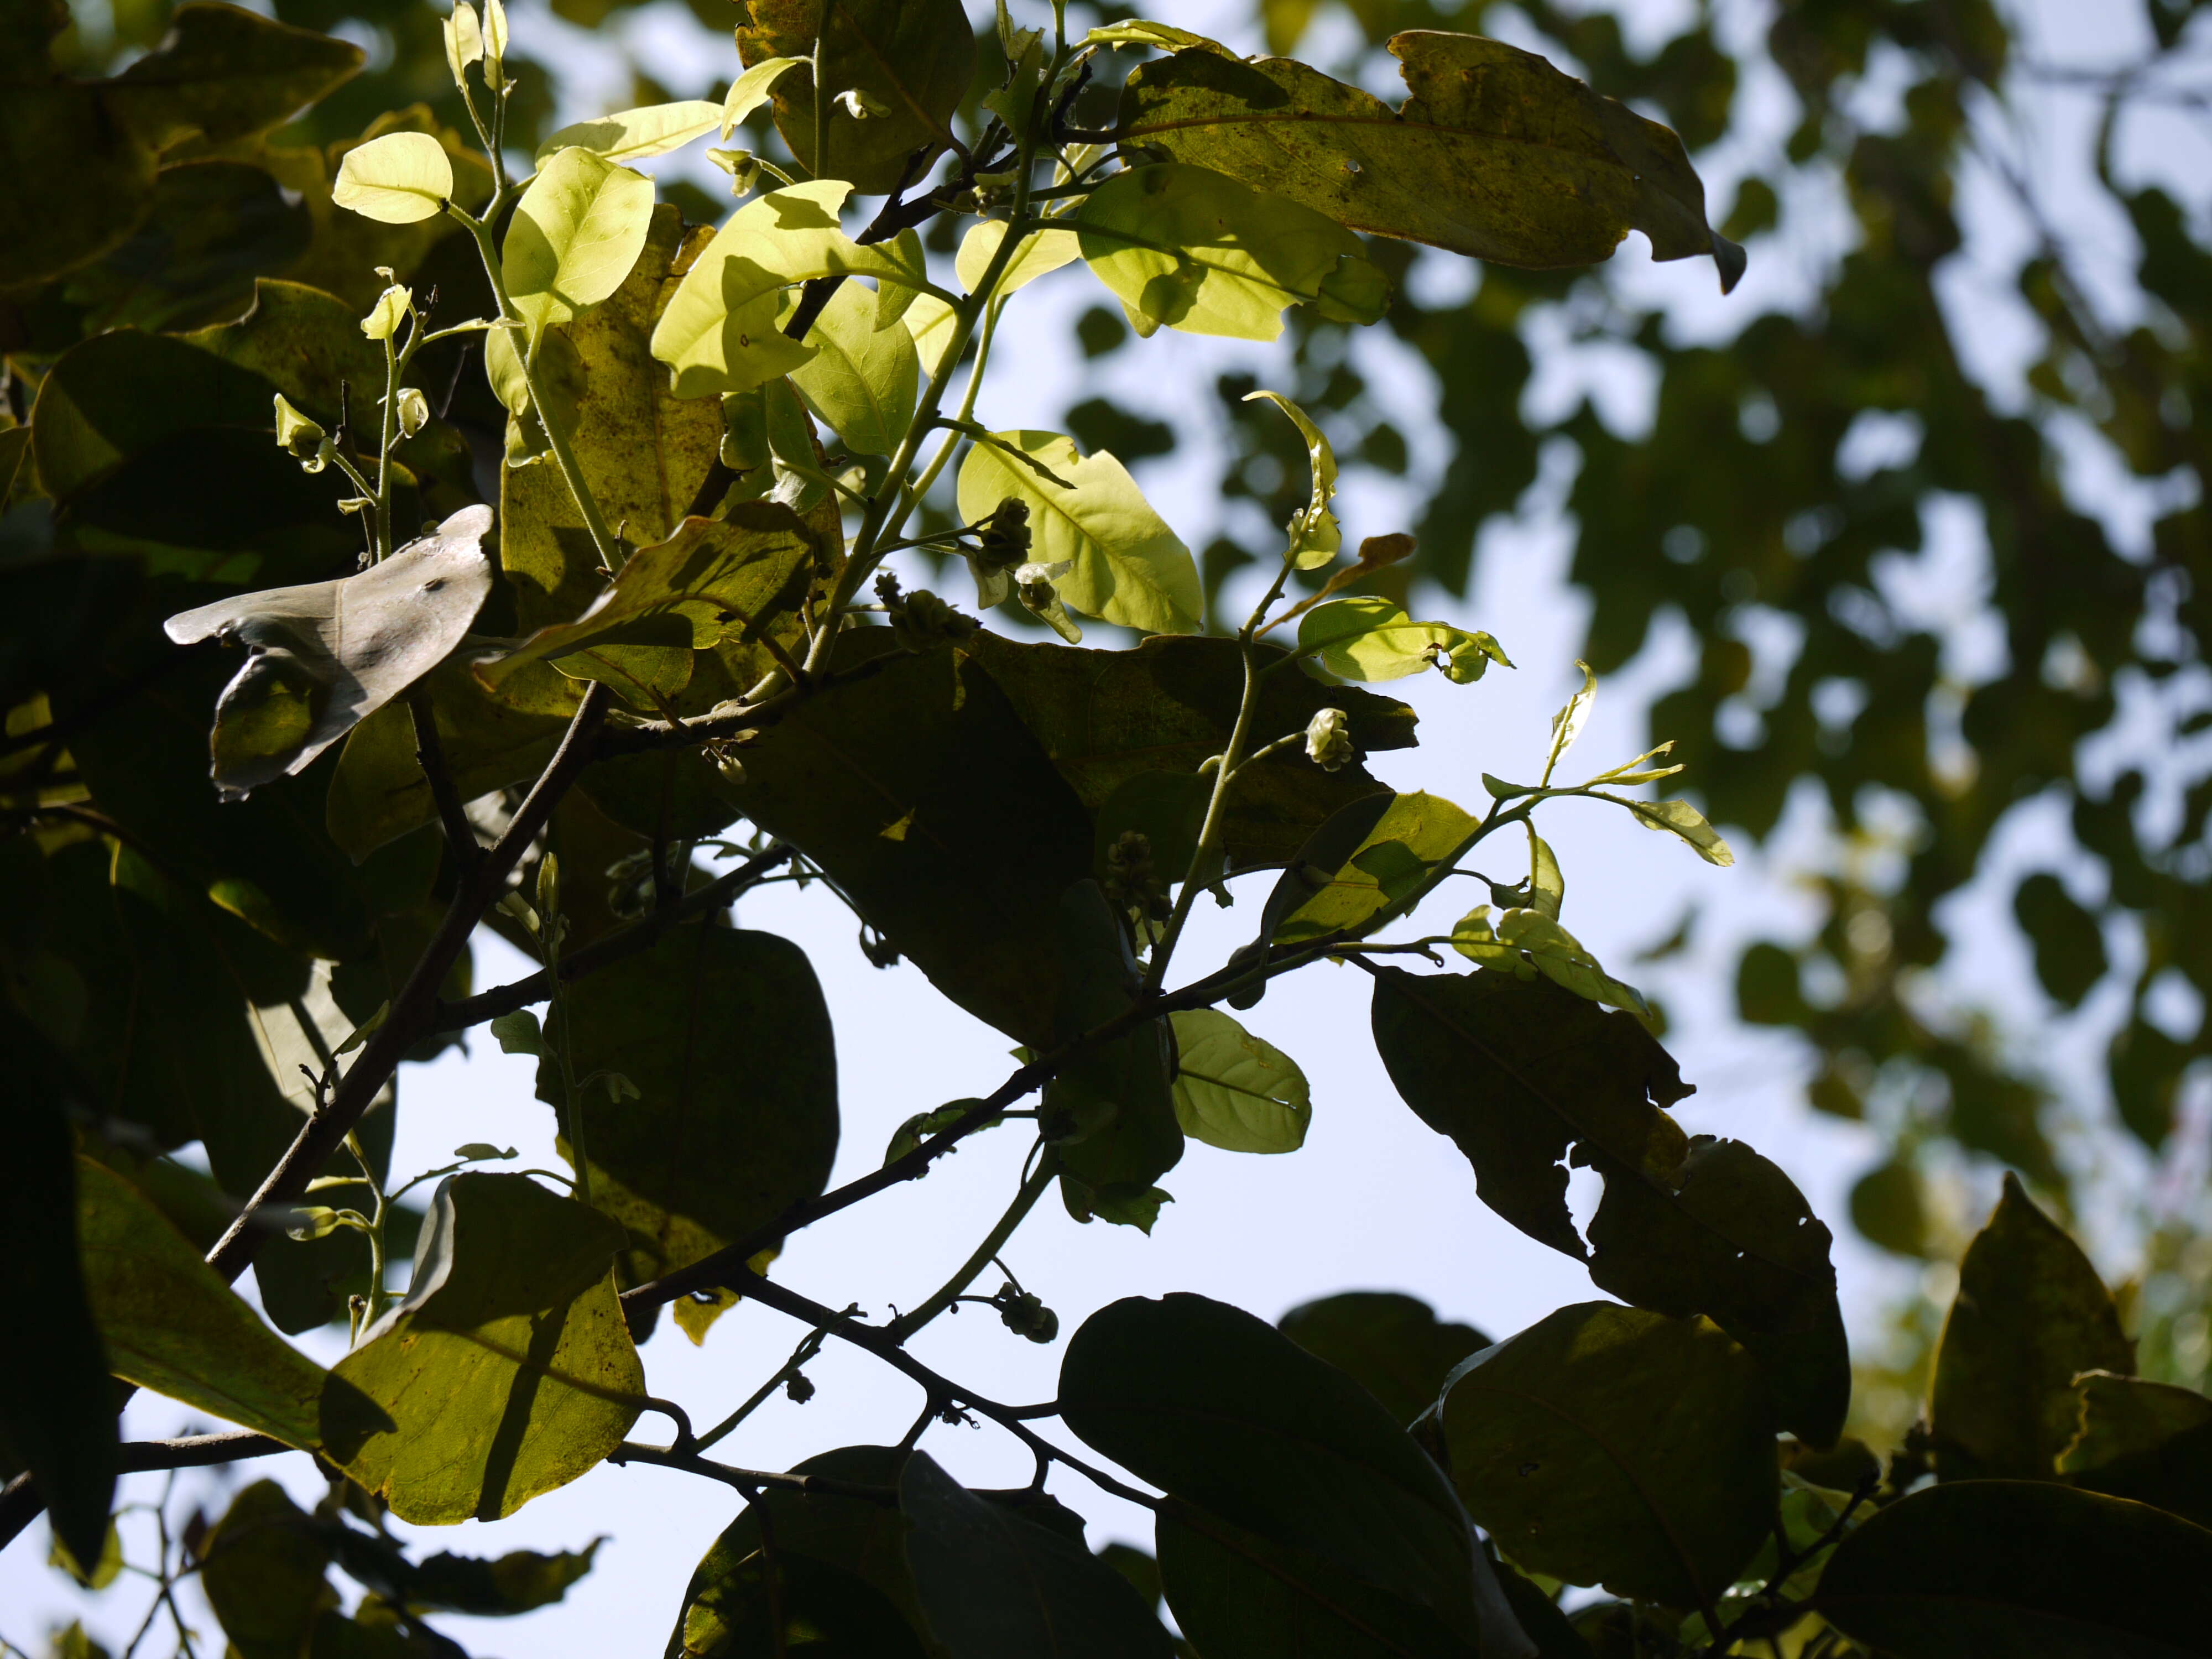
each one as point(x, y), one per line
point(1375, 1200)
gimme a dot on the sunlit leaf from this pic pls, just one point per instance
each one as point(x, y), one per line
point(1042, 253)
point(398, 179)
point(575, 235)
point(631, 135)
point(1235, 1091)
point(863, 377)
point(1316, 536)
point(1370, 638)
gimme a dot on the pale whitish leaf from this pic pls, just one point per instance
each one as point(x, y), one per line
point(495, 38)
point(463, 41)
point(1128, 567)
point(1316, 536)
point(631, 135)
point(1679, 817)
point(719, 333)
point(1186, 248)
point(575, 235)
point(862, 380)
point(1567, 725)
point(751, 90)
point(1525, 941)
point(397, 179)
point(517, 1033)
point(1235, 1091)
point(1370, 638)
point(1041, 252)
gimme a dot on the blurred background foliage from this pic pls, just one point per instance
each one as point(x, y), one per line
point(1763, 478)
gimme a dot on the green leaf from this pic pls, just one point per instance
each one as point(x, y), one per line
point(1188, 248)
point(1393, 1345)
point(631, 135)
point(265, 1573)
point(518, 1033)
point(173, 1326)
point(734, 581)
point(1234, 1091)
point(2069, 942)
point(2021, 1567)
point(1316, 536)
point(397, 179)
point(719, 333)
point(506, 1372)
point(2148, 1441)
point(1370, 638)
point(1679, 817)
point(520, 1581)
point(1129, 568)
point(2031, 1314)
point(1606, 1445)
point(751, 90)
point(838, 1571)
point(725, 1034)
point(489, 740)
point(1406, 839)
point(223, 72)
point(1224, 1412)
point(863, 377)
point(912, 60)
point(211, 227)
point(1106, 717)
point(575, 236)
point(323, 656)
point(1237, 1596)
point(1526, 942)
point(1138, 32)
point(1516, 1072)
point(1494, 153)
point(1042, 250)
point(58, 1415)
point(995, 1586)
point(1730, 1236)
point(991, 836)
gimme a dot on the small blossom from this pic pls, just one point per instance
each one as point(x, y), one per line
point(414, 412)
point(1328, 740)
point(390, 310)
point(301, 437)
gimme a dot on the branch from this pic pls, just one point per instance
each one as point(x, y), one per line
point(415, 1009)
point(642, 936)
point(22, 1503)
point(667, 1457)
point(430, 755)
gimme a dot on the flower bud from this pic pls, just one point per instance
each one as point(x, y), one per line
point(414, 412)
point(1023, 1313)
point(389, 312)
point(301, 437)
point(1004, 540)
point(1328, 740)
point(463, 41)
point(743, 167)
point(860, 106)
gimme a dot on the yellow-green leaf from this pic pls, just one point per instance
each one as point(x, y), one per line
point(863, 378)
point(631, 135)
point(1042, 253)
point(1129, 567)
point(1410, 837)
point(1235, 1091)
point(1190, 249)
point(1679, 817)
point(575, 235)
point(1529, 941)
point(1316, 535)
point(751, 90)
point(1368, 638)
point(398, 179)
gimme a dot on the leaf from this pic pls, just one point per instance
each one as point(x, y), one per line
point(995, 1586)
point(1607, 1445)
point(1236, 1596)
point(863, 378)
point(265, 1573)
point(1731, 1237)
point(58, 1416)
point(211, 227)
point(840, 1572)
point(912, 60)
point(1234, 1091)
point(1316, 536)
point(1679, 817)
point(173, 1326)
point(223, 72)
point(1042, 250)
point(736, 580)
point(518, 1581)
point(518, 1033)
point(751, 90)
point(1200, 253)
point(725, 1036)
point(2021, 1567)
point(1494, 153)
point(1526, 942)
point(994, 836)
point(2148, 1441)
point(323, 656)
point(397, 179)
point(1370, 638)
point(1393, 1345)
point(1225, 1414)
point(631, 135)
point(489, 740)
point(1406, 838)
point(2030, 1315)
point(719, 333)
point(1129, 568)
point(1138, 32)
point(642, 451)
point(505, 1373)
point(574, 237)
point(1516, 1072)
point(1106, 717)
point(1567, 725)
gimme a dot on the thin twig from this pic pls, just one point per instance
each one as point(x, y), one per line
point(430, 755)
